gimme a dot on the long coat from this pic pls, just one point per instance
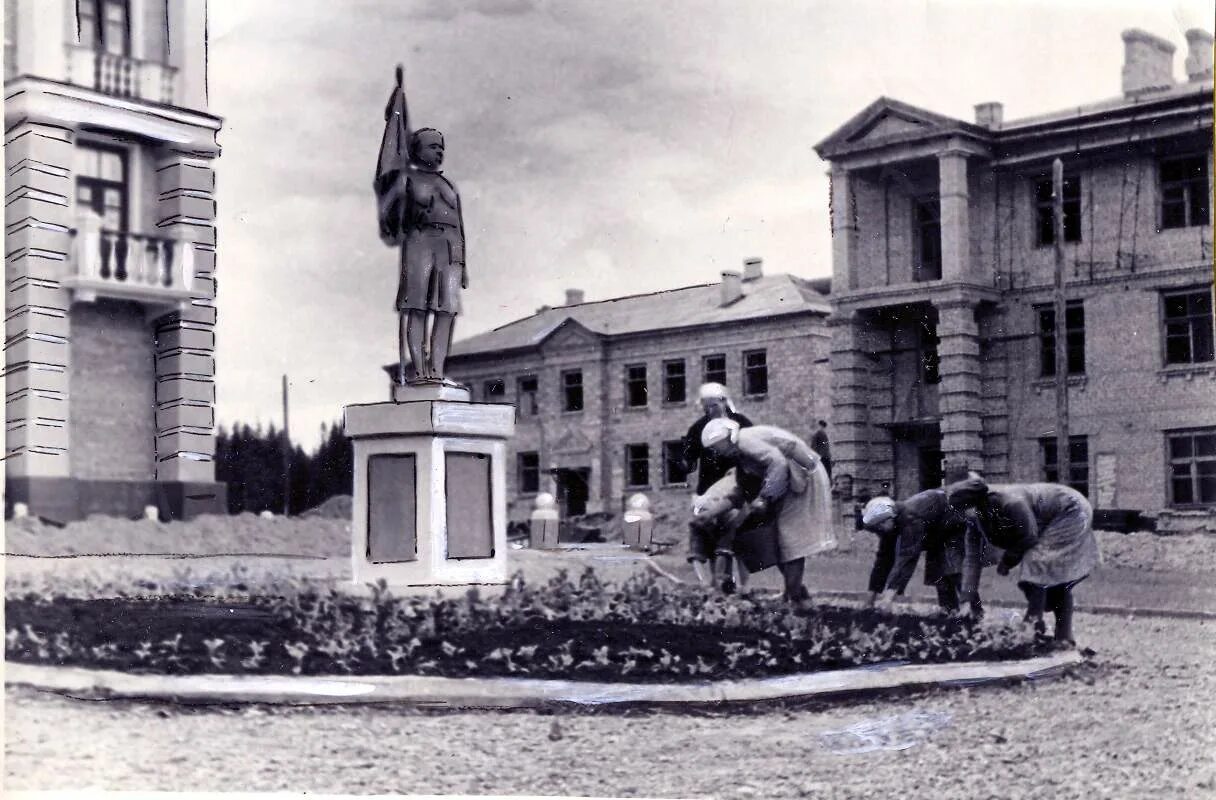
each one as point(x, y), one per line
point(795, 485)
point(1046, 528)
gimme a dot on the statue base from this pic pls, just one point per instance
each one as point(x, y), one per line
point(430, 505)
point(430, 390)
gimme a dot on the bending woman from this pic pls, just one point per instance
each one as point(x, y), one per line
point(1045, 529)
point(794, 493)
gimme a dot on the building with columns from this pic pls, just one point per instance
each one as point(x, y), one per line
point(943, 274)
point(110, 258)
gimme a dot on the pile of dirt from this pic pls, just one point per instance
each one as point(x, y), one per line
point(337, 507)
point(245, 534)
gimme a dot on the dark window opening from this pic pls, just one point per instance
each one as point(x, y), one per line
point(713, 369)
point(636, 392)
point(1074, 339)
point(101, 185)
point(1078, 462)
point(494, 390)
point(1192, 459)
point(1188, 327)
point(675, 386)
point(529, 472)
point(105, 25)
point(1045, 222)
point(528, 389)
point(637, 465)
point(1184, 192)
point(928, 218)
point(755, 373)
point(572, 390)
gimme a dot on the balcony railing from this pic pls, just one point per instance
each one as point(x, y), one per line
point(121, 76)
point(134, 266)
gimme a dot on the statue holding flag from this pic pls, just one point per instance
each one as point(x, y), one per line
point(419, 212)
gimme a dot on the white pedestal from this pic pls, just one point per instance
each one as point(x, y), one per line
point(430, 505)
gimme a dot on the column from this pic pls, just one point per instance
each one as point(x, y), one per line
point(843, 214)
point(38, 244)
point(185, 340)
point(955, 215)
point(959, 400)
point(850, 398)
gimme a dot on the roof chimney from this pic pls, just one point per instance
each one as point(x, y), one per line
point(574, 297)
point(1148, 63)
point(753, 269)
point(990, 115)
point(732, 288)
point(1199, 55)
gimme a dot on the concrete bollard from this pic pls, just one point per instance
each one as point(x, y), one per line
point(267, 514)
point(639, 523)
point(152, 513)
point(544, 523)
point(20, 511)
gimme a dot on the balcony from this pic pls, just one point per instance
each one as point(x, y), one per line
point(154, 270)
point(121, 76)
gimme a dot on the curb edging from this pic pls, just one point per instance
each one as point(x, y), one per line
point(515, 693)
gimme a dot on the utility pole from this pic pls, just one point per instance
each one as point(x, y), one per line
point(1061, 329)
point(286, 454)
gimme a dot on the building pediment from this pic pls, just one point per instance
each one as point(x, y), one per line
point(887, 121)
point(571, 442)
point(569, 335)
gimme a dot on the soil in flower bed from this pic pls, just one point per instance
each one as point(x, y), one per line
point(583, 632)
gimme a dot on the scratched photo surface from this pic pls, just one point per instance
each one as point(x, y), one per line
point(677, 399)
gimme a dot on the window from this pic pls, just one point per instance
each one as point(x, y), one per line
point(1078, 462)
point(495, 391)
point(636, 394)
point(675, 389)
point(101, 184)
point(1074, 338)
point(755, 373)
point(527, 389)
point(572, 390)
point(673, 463)
point(713, 369)
point(1192, 456)
point(529, 472)
point(1184, 192)
point(637, 465)
point(1188, 327)
point(104, 25)
point(928, 234)
point(1045, 223)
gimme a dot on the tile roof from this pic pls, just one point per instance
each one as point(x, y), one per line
point(690, 306)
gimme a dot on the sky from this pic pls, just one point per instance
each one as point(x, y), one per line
point(615, 147)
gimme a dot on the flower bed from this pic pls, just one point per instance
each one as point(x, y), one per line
point(639, 631)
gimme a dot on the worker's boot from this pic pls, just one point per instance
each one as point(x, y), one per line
point(724, 574)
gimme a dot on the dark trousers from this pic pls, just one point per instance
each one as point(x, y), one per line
point(884, 560)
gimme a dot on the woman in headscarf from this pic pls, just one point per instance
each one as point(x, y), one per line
point(1046, 531)
point(709, 531)
point(924, 523)
point(794, 494)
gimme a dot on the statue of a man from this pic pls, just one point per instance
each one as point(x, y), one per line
point(419, 211)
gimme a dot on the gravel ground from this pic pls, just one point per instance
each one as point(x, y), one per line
point(1138, 722)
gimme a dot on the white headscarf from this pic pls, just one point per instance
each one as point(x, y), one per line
point(877, 511)
point(716, 391)
point(719, 429)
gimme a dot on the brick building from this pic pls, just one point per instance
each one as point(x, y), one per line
point(605, 390)
point(943, 265)
point(110, 258)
